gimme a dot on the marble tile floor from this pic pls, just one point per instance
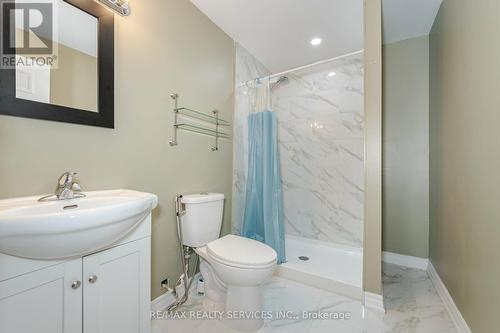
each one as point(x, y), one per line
point(412, 305)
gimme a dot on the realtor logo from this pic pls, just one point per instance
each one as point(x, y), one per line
point(27, 33)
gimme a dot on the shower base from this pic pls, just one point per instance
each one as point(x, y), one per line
point(328, 266)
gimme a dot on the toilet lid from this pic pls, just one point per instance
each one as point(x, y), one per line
point(241, 251)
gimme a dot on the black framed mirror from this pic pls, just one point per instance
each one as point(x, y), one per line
point(77, 85)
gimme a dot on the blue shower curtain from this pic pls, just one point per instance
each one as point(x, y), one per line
point(263, 218)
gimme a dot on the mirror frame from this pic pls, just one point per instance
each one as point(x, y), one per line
point(10, 105)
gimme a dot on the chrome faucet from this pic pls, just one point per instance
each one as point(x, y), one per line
point(67, 188)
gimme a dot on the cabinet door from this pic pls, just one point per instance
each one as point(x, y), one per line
point(116, 293)
point(43, 301)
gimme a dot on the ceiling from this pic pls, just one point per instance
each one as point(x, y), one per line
point(278, 32)
point(405, 19)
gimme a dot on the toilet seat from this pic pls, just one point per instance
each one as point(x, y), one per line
point(241, 252)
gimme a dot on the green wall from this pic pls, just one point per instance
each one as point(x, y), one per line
point(406, 147)
point(465, 157)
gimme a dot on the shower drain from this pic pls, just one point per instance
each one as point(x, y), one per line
point(304, 258)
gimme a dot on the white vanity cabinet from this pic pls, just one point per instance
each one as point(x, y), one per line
point(103, 292)
point(116, 292)
point(43, 300)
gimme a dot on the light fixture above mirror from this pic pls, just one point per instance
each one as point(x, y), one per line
point(118, 6)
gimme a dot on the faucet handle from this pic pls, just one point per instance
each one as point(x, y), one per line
point(66, 178)
point(76, 186)
point(67, 188)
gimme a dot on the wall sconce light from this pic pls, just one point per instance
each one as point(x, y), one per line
point(119, 6)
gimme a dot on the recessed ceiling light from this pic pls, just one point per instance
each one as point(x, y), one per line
point(332, 74)
point(316, 41)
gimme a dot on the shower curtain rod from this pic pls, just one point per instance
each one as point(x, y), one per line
point(272, 76)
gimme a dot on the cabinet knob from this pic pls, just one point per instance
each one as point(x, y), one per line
point(92, 279)
point(76, 284)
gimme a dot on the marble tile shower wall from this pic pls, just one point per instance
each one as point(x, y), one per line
point(321, 141)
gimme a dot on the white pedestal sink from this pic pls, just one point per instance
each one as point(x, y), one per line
point(70, 228)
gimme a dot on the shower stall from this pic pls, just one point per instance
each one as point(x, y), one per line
point(319, 108)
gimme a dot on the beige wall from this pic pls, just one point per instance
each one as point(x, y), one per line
point(372, 252)
point(74, 82)
point(406, 147)
point(164, 46)
point(465, 157)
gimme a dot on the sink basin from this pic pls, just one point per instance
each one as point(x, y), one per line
point(69, 228)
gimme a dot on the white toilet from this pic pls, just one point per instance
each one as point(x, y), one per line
point(233, 267)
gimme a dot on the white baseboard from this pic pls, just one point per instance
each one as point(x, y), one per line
point(448, 301)
point(407, 261)
point(374, 301)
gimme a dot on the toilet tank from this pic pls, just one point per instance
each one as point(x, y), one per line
point(202, 220)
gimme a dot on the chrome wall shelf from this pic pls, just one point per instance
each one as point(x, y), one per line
point(201, 130)
point(201, 116)
point(210, 123)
